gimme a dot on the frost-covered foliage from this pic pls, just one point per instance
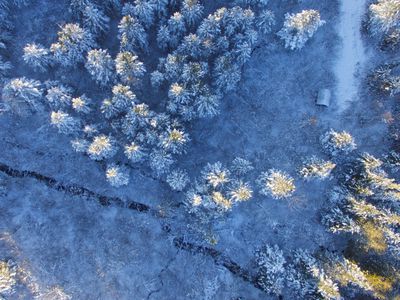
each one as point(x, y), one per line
point(95, 20)
point(81, 104)
point(102, 147)
point(21, 95)
point(384, 15)
point(335, 142)
point(132, 34)
point(117, 176)
point(217, 191)
point(299, 28)
point(160, 161)
point(37, 57)
point(72, 45)
point(59, 96)
point(241, 166)
point(178, 180)
point(271, 269)
point(8, 277)
point(385, 79)
point(128, 67)
point(265, 21)
point(64, 122)
point(276, 184)
point(317, 168)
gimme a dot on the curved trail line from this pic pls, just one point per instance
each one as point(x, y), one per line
point(352, 54)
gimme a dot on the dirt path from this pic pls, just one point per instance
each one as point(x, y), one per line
point(352, 55)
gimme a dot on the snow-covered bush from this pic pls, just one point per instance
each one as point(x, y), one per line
point(21, 95)
point(335, 142)
point(100, 66)
point(37, 57)
point(384, 15)
point(178, 179)
point(317, 168)
point(117, 176)
point(299, 28)
point(276, 184)
point(72, 45)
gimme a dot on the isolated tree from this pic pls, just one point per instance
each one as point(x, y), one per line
point(299, 28)
point(21, 95)
point(178, 179)
point(384, 16)
point(102, 147)
point(276, 184)
point(37, 57)
point(95, 20)
point(100, 66)
point(64, 122)
point(132, 34)
point(117, 175)
point(73, 42)
point(134, 152)
point(338, 142)
point(128, 67)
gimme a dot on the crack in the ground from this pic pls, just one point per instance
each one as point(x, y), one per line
point(179, 242)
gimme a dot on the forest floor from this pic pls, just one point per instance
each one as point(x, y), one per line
point(65, 245)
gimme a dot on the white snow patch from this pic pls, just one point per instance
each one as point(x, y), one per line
point(352, 54)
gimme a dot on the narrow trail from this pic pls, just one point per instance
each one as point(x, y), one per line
point(352, 56)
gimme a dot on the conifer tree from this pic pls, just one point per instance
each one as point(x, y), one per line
point(64, 122)
point(132, 34)
point(21, 95)
point(128, 67)
point(37, 57)
point(72, 45)
point(299, 28)
point(117, 176)
point(100, 66)
point(95, 20)
point(384, 16)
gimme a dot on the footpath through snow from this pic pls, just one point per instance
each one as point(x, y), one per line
point(352, 54)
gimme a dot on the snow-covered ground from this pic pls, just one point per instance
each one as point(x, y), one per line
point(352, 56)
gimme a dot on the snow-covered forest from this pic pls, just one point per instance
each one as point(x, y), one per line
point(199, 149)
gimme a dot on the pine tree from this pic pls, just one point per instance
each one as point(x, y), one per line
point(272, 272)
point(117, 176)
point(80, 145)
point(5, 67)
point(73, 43)
point(207, 105)
point(164, 37)
point(192, 11)
point(174, 140)
point(299, 28)
point(64, 122)
point(82, 104)
point(100, 66)
point(134, 152)
point(240, 191)
point(265, 21)
point(160, 162)
point(178, 180)
point(21, 95)
point(129, 68)
point(176, 28)
point(123, 97)
point(59, 96)
point(226, 73)
point(102, 147)
point(95, 20)
point(338, 142)
point(215, 175)
point(132, 34)
point(144, 11)
point(241, 166)
point(384, 16)
point(276, 184)
point(36, 56)
point(317, 168)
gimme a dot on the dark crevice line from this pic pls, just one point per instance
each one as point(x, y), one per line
point(74, 190)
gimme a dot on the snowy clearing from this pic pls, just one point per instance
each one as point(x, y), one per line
point(352, 54)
